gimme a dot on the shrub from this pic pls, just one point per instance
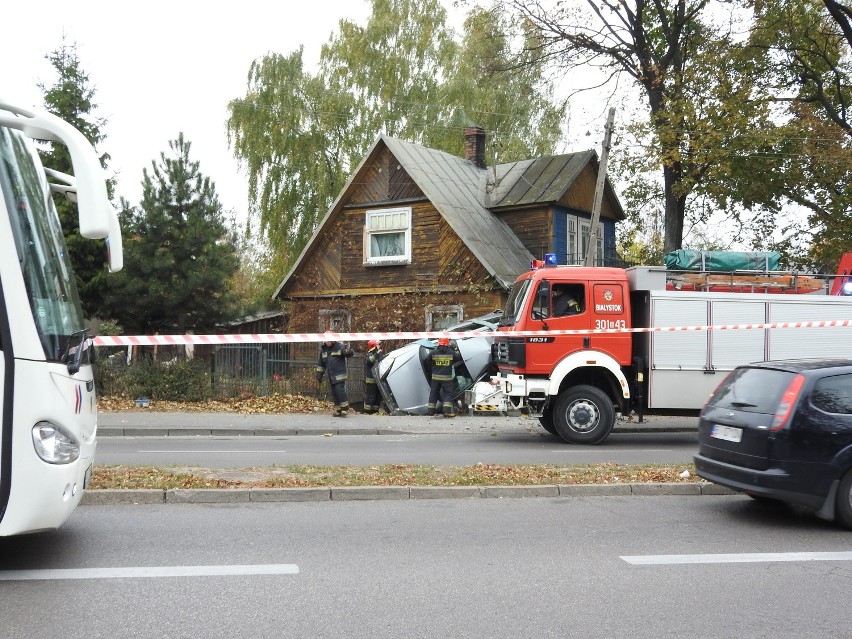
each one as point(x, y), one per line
point(177, 380)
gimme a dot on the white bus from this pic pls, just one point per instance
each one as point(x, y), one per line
point(48, 422)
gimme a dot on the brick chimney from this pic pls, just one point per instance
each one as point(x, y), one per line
point(474, 146)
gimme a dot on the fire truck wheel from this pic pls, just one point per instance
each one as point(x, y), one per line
point(583, 415)
point(546, 421)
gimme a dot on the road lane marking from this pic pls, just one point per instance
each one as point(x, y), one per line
point(148, 571)
point(738, 558)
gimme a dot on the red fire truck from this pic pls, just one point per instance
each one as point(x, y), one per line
point(579, 384)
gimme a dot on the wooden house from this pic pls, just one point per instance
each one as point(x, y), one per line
point(419, 239)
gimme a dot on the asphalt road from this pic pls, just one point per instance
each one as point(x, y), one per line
point(462, 449)
point(591, 567)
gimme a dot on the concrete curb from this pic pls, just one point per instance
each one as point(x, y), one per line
point(108, 431)
point(121, 497)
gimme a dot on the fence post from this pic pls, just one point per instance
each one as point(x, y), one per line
point(264, 388)
point(213, 373)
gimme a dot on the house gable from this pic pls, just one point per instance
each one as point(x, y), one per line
point(581, 195)
point(334, 263)
point(383, 179)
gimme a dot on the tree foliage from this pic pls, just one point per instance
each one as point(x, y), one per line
point(810, 42)
point(71, 97)
point(697, 81)
point(299, 135)
point(802, 158)
point(746, 110)
point(179, 256)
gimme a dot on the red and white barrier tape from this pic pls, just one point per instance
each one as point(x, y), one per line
point(272, 338)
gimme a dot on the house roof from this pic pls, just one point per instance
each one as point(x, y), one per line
point(541, 180)
point(457, 189)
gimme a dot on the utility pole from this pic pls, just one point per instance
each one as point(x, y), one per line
point(599, 189)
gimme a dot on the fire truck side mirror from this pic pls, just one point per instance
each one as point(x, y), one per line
point(542, 301)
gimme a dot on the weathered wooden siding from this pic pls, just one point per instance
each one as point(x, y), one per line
point(439, 259)
point(387, 312)
point(581, 195)
point(534, 227)
point(383, 180)
point(320, 269)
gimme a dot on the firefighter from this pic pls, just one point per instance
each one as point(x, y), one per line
point(441, 362)
point(332, 358)
point(372, 403)
point(564, 303)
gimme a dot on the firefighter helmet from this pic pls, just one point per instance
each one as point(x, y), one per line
point(443, 341)
point(373, 343)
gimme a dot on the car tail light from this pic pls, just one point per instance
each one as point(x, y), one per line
point(788, 400)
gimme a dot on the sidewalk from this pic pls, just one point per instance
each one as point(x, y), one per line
point(146, 423)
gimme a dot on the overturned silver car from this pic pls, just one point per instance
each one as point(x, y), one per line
point(403, 374)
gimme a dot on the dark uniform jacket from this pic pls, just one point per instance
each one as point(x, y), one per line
point(443, 358)
point(333, 359)
point(373, 357)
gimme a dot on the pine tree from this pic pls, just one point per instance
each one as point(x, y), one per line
point(179, 255)
point(72, 99)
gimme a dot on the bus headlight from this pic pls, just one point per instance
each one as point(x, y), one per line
point(54, 444)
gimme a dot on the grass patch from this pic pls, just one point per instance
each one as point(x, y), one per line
point(387, 475)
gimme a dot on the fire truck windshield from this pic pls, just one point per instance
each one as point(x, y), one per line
point(515, 302)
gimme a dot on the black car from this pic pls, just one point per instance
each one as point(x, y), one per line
point(783, 430)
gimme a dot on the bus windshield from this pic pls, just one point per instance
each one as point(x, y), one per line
point(42, 255)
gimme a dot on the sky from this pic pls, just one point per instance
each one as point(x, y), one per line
point(160, 68)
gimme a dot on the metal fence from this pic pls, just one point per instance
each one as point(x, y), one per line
point(229, 371)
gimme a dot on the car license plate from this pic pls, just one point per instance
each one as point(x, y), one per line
point(728, 433)
point(87, 477)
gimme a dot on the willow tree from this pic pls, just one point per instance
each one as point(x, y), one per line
point(300, 134)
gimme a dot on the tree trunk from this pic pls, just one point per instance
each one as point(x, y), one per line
point(674, 211)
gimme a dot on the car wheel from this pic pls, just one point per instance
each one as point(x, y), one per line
point(843, 511)
point(546, 421)
point(583, 415)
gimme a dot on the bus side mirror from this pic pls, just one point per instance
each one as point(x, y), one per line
point(114, 245)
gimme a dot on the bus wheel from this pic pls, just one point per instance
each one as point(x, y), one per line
point(546, 421)
point(583, 415)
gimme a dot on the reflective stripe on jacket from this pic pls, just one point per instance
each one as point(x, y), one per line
point(333, 359)
point(442, 360)
point(373, 357)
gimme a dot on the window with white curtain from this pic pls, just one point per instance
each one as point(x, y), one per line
point(387, 236)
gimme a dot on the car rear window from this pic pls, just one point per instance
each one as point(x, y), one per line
point(755, 390)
